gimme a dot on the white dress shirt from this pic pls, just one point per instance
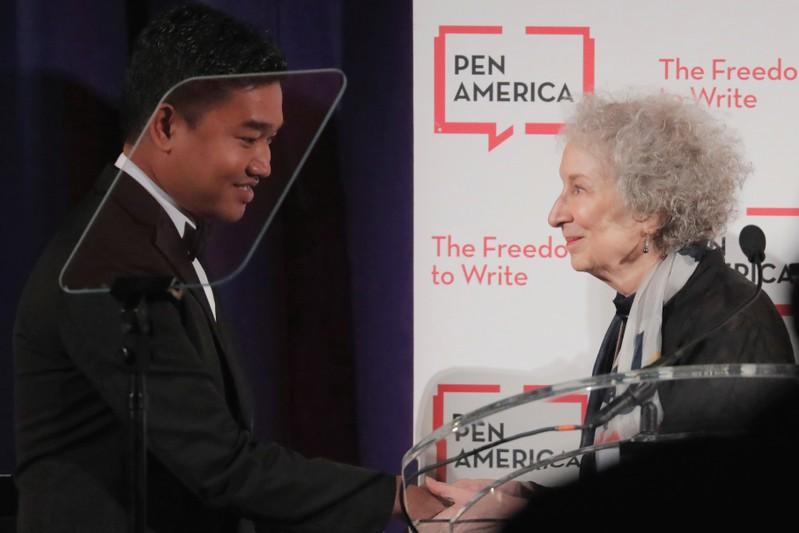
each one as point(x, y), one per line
point(175, 214)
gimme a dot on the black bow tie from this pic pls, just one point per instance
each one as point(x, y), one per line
point(194, 240)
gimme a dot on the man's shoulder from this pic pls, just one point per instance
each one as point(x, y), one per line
point(97, 238)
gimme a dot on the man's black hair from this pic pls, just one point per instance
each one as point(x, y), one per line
point(184, 42)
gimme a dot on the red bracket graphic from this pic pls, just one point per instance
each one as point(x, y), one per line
point(438, 416)
point(553, 128)
point(441, 124)
point(438, 410)
point(490, 128)
point(772, 211)
point(582, 399)
point(783, 309)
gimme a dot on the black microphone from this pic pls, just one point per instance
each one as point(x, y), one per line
point(753, 244)
point(635, 395)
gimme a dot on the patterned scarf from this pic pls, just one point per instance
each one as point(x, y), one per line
point(641, 344)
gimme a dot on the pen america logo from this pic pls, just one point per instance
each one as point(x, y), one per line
point(497, 445)
point(495, 81)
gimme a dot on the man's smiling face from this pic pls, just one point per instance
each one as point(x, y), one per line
point(217, 160)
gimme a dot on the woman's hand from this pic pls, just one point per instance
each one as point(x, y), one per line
point(494, 508)
point(521, 489)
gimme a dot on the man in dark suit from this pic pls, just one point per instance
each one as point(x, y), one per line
point(200, 156)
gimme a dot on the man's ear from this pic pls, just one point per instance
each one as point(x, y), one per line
point(161, 128)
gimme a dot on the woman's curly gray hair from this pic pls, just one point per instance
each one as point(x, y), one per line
point(671, 160)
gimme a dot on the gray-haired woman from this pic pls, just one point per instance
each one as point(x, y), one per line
point(648, 184)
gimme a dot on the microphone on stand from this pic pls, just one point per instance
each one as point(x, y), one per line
point(753, 245)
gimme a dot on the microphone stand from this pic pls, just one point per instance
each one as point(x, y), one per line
point(134, 295)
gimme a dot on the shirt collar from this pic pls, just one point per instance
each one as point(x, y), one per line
point(160, 195)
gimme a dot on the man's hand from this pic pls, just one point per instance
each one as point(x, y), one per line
point(420, 502)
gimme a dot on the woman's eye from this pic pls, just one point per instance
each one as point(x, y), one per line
point(249, 140)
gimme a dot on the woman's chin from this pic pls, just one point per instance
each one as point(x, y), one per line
point(578, 264)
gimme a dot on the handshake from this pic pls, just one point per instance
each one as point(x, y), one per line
point(436, 505)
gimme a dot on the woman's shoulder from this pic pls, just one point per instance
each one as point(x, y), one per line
point(715, 294)
point(714, 278)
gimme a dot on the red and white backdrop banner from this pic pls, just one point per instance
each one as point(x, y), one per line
point(493, 82)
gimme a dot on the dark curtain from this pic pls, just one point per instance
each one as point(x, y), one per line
point(323, 312)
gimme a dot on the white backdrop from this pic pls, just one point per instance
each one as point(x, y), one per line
point(491, 83)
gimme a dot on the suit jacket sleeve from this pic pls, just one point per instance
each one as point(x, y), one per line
point(194, 434)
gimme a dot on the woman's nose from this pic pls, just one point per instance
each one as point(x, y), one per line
point(559, 214)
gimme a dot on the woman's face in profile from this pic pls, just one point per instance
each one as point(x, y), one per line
point(602, 236)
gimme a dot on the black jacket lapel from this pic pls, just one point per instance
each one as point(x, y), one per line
point(165, 238)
